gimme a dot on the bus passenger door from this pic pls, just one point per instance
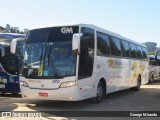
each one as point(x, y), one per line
point(86, 62)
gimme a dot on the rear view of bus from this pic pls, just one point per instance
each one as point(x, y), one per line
point(9, 64)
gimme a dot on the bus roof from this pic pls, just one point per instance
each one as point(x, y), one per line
point(93, 27)
point(6, 38)
point(11, 35)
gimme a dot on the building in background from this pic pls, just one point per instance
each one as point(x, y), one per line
point(2, 29)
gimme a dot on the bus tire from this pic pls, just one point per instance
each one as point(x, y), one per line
point(137, 88)
point(100, 94)
point(152, 79)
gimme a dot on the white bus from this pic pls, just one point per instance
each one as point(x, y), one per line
point(154, 68)
point(77, 62)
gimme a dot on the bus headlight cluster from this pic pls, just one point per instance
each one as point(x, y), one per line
point(23, 83)
point(68, 84)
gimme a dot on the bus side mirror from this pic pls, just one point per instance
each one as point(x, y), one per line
point(76, 42)
point(13, 46)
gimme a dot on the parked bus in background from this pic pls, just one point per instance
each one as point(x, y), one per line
point(154, 68)
point(10, 63)
point(77, 62)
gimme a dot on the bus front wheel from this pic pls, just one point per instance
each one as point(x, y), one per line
point(100, 93)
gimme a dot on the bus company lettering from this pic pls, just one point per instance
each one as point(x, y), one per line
point(55, 81)
point(67, 30)
point(115, 64)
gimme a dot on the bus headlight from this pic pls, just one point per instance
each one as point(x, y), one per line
point(23, 83)
point(68, 84)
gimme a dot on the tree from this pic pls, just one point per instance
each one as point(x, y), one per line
point(151, 53)
point(8, 27)
point(21, 32)
point(16, 30)
point(12, 30)
point(151, 47)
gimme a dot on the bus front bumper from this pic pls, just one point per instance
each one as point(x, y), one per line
point(61, 94)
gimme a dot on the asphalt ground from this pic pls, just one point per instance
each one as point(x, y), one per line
point(124, 102)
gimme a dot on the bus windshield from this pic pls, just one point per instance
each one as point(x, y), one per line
point(48, 53)
point(9, 62)
point(20, 47)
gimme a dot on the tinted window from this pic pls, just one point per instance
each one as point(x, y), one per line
point(133, 51)
point(54, 34)
point(103, 47)
point(115, 46)
point(58, 34)
point(7, 50)
point(125, 49)
point(52, 49)
point(37, 36)
point(86, 53)
point(10, 63)
point(139, 52)
point(144, 52)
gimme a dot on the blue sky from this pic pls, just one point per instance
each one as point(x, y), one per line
point(138, 20)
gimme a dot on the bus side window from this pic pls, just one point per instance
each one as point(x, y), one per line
point(144, 52)
point(103, 47)
point(115, 46)
point(125, 48)
point(86, 59)
point(139, 52)
point(133, 50)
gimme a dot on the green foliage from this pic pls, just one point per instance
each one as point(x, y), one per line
point(151, 53)
point(11, 29)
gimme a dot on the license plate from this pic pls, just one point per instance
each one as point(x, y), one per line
point(43, 94)
point(2, 86)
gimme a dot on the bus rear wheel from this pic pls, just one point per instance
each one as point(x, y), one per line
point(137, 88)
point(151, 79)
point(100, 93)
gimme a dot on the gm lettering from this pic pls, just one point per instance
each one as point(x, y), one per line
point(67, 30)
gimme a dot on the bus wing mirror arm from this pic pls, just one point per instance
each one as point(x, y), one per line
point(13, 46)
point(76, 43)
